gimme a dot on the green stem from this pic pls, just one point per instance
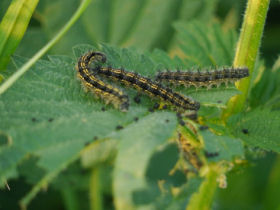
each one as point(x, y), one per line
point(70, 198)
point(11, 80)
point(203, 198)
point(95, 190)
point(247, 50)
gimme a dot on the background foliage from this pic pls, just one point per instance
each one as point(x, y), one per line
point(58, 146)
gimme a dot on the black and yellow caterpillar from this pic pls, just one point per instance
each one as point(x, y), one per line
point(90, 76)
point(206, 79)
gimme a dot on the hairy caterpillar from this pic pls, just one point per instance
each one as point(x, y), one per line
point(98, 87)
point(206, 79)
point(88, 74)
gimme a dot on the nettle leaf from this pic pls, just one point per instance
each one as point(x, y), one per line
point(136, 181)
point(167, 200)
point(267, 91)
point(138, 144)
point(181, 200)
point(258, 128)
point(206, 45)
point(101, 151)
point(219, 148)
point(47, 114)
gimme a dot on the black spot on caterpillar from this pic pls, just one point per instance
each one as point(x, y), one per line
point(98, 87)
point(143, 84)
point(206, 79)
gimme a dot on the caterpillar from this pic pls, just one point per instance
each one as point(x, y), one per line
point(145, 85)
point(98, 87)
point(206, 79)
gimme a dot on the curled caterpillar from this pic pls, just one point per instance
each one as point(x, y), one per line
point(88, 75)
point(203, 79)
point(98, 87)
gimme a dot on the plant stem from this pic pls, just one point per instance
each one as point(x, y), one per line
point(203, 198)
point(70, 198)
point(247, 50)
point(11, 80)
point(95, 190)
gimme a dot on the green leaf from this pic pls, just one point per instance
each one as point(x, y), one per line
point(99, 152)
point(138, 143)
point(170, 200)
point(48, 115)
point(206, 45)
point(181, 200)
point(225, 147)
point(13, 27)
point(214, 97)
point(58, 104)
point(267, 91)
point(258, 128)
